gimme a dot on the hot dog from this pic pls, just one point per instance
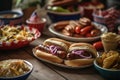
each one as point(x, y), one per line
point(80, 54)
point(61, 25)
point(53, 49)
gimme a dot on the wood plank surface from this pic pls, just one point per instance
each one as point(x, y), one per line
point(40, 71)
point(45, 71)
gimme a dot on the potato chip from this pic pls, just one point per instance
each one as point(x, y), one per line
point(110, 59)
point(12, 33)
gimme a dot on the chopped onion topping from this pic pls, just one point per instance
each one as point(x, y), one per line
point(82, 53)
point(54, 49)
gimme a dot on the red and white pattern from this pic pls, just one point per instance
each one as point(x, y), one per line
point(20, 43)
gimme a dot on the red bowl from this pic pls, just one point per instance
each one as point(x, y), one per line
point(6, 45)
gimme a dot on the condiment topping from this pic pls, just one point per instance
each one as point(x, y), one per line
point(110, 36)
point(53, 49)
point(79, 54)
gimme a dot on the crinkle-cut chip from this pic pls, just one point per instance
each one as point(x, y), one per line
point(110, 53)
point(109, 61)
point(104, 55)
point(99, 61)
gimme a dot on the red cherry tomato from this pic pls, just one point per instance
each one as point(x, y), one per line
point(86, 29)
point(95, 32)
point(98, 45)
point(88, 35)
point(77, 29)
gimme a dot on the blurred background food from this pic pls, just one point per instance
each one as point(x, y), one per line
point(63, 10)
point(101, 11)
point(109, 17)
point(86, 7)
point(11, 17)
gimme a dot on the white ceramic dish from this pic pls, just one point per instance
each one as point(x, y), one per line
point(102, 28)
point(60, 65)
point(23, 76)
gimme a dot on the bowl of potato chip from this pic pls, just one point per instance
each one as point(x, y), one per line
point(15, 69)
point(108, 65)
point(13, 37)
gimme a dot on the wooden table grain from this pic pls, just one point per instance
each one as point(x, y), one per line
point(45, 71)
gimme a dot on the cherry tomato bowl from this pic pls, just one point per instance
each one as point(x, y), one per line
point(59, 34)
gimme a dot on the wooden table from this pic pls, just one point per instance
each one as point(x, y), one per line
point(45, 71)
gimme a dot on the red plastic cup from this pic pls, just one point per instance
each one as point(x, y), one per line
point(38, 25)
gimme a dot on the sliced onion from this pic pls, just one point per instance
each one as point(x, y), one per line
point(54, 49)
point(81, 53)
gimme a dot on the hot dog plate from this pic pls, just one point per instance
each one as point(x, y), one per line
point(59, 65)
point(101, 27)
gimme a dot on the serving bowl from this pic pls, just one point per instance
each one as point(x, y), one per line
point(104, 16)
point(56, 14)
point(108, 74)
point(11, 17)
point(14, 37)
point(23, 75)
point(102, 20)
point(99, 19)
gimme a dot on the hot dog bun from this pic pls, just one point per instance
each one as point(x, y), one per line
point(85, 46)
point(64, 44)
point(49, 56)
point(79, 62)
point(82, 61)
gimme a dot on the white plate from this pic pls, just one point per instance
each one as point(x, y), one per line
point(102, 28)
point(60, 65)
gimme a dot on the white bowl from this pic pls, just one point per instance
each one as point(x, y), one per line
point(102, 28)
point(22, 76)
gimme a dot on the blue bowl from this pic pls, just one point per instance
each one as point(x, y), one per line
point(62, 16)
point(11, 17)
point(108, 74)
point(20, 77)
point(98, 19)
